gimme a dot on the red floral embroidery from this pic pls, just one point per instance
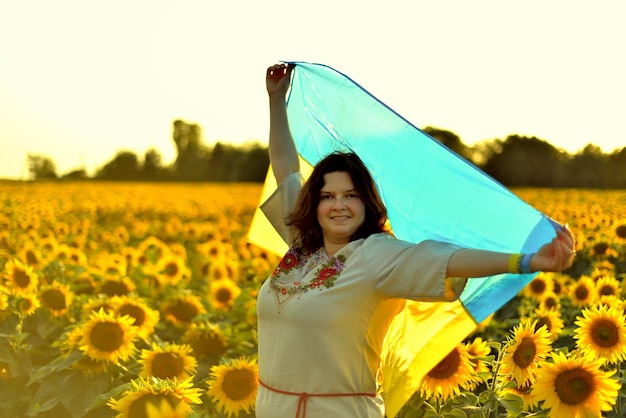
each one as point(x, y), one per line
point(325, 276)
point(289, 261)
point(326, 273)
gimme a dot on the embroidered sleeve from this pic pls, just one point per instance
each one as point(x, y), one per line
point(280, 204)
point(405, 270)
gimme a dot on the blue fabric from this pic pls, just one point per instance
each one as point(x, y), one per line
point(430, 192)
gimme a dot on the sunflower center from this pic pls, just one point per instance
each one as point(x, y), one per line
point(525, 352)
point(31, 258)
point(114, 288)
point(224, 295)
point(238, 384)
point(607, 291)
point(54, 299)
point(538, 286)
point(22, 279)
point(135, 312)
point(25, 305)
point(138, 409)
point(544, 320)
point(605, 333)
point(205, 344)
point(446, 367)
point(550, 302)
point(582, 293)
point(183, 311)
point(167, 365)
point(574, 386)
point(171, 269)
point(107, 336)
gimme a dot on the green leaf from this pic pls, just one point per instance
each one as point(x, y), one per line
point(457, 413)
point(56, 365)
point(81, 390)
point(102, 399)
point(512, 403)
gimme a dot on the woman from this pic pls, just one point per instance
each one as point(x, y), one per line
point(318, 355)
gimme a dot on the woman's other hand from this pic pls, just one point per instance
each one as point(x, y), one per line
point(557, 255)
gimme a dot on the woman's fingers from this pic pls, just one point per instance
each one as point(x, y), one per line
point(277, 71)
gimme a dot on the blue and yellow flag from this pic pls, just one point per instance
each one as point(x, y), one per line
point(430, 193)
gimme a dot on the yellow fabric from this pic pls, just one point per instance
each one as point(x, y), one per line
point(419, 337)
point(261, 232)
point(420, 334)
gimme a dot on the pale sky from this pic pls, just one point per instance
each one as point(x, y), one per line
point(81, 80)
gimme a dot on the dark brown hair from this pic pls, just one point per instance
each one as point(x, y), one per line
point(309, 236)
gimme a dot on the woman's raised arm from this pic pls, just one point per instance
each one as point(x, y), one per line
point(282, 148)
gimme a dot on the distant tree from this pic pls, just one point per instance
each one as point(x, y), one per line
point(152, 168)
point(253, 164)
point(192, 155)
point(524, 161)
point(41, 167)
point(124, 166)
point(586, 169)
point(223, 164)
point(79, 174)
point(616, 169)
point(450, 140)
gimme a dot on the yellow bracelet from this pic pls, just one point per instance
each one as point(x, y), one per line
point(514, 263)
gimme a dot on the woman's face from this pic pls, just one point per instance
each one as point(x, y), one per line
point(340, 212)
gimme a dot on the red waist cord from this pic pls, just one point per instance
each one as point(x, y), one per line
point(303, 396)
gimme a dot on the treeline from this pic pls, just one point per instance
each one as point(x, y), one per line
point(516, 161)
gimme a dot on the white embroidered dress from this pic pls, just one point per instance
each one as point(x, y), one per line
point(315, 312)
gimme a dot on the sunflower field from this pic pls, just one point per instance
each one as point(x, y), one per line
point(135, 300)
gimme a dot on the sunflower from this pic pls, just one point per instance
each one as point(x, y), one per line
point(116, 286)
point(4, 300)
point(171, 270)
point(19, 278)
point(550, 301)
point(142, 392)
point(552, 320)
point(111, 266)
point(575, 387)
point(541, 284)
point(222, 293)
point(107, 337)
point(168, 361)
point(233, 386)
point(163, 409)
point(83, 284)
point(609, 286)
point(152, 248)
point(145, 318)
point(96, 303)
point(212, 249)
point(183, 309)
point(561, 283)
point(26, 305)
point(524, 350)
point(56, 297)
point(205, 339)
point(449, 376)
point(583, 292)
point(601, 333)
point(77, 257)
point(508, 384)
point(31, 255)
point(478, 351)
point(48, 246)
